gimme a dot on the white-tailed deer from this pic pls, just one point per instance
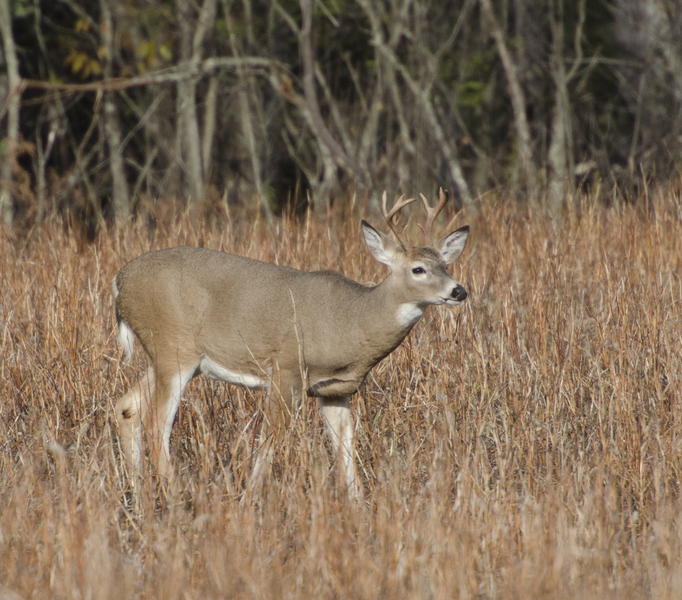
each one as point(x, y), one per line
point(264, 326)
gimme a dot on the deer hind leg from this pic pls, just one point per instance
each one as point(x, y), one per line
point(130, 413)
point(170, 385)
point(339, 419)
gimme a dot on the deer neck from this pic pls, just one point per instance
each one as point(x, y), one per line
point(399, 312)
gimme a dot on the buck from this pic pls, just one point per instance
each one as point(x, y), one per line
point(269, 327)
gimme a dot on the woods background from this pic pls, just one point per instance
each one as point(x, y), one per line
point(110, 105)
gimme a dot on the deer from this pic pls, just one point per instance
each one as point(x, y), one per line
point(273, 328)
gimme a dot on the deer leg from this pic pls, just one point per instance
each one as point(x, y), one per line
point(130, 412)
point(338, 417)
point(169, 389)
point(264, 453)
point(278, 408)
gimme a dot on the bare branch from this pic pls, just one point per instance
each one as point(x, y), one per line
point(577, 42)
point(206, 21)
point(185, 70)
point(333, 109)
point(518, 101)
point(448, 150)
point(320, 128)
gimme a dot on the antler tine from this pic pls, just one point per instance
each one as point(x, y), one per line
point(390, 216)
point(432, 212)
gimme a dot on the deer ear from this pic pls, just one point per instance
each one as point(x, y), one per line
point(382, 247)
point(453, 245)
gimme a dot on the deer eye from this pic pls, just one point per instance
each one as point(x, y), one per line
point(419, 270)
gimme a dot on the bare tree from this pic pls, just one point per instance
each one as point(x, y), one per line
point(387, 49)
point(112, 126)
point(390, 94)
point(13, 101)
point(245, 94)
point(518, 101)
point(650, 33)
point(561, 152)
point(191, 48)
point(330, 152)
point(308, 61)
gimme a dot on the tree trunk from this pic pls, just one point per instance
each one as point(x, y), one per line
point(560, 157)
point(557, 149)
point(14, 102)
point(112, 125)
point(188, 124)
point(209, 124)
point(246, 116)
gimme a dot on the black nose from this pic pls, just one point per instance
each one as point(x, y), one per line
point(459, 293)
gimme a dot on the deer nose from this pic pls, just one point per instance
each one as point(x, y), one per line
point(459, 293)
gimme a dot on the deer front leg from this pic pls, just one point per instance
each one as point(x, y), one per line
point(339, 419)
point(281, 397)
point(264, 445)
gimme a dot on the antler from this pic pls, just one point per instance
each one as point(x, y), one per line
point(390, 216)
point(432, 212)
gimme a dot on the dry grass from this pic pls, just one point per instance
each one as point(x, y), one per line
point(528, 444)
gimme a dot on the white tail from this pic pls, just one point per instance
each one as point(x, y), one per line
point(259, 325)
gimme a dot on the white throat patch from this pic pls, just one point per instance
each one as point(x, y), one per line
point(408, 314)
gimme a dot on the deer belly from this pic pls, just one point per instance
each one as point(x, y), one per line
point(216, 371)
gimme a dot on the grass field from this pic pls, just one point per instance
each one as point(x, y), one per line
point(525, 445)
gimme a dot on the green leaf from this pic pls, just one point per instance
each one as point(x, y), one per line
point(471, 93)
point(22, 8)
point(165, 52)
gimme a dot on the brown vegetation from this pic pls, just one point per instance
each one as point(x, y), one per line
point(528, 444)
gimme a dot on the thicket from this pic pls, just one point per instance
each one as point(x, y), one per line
point(113, 107)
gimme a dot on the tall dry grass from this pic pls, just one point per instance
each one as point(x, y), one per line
point(527, 444)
